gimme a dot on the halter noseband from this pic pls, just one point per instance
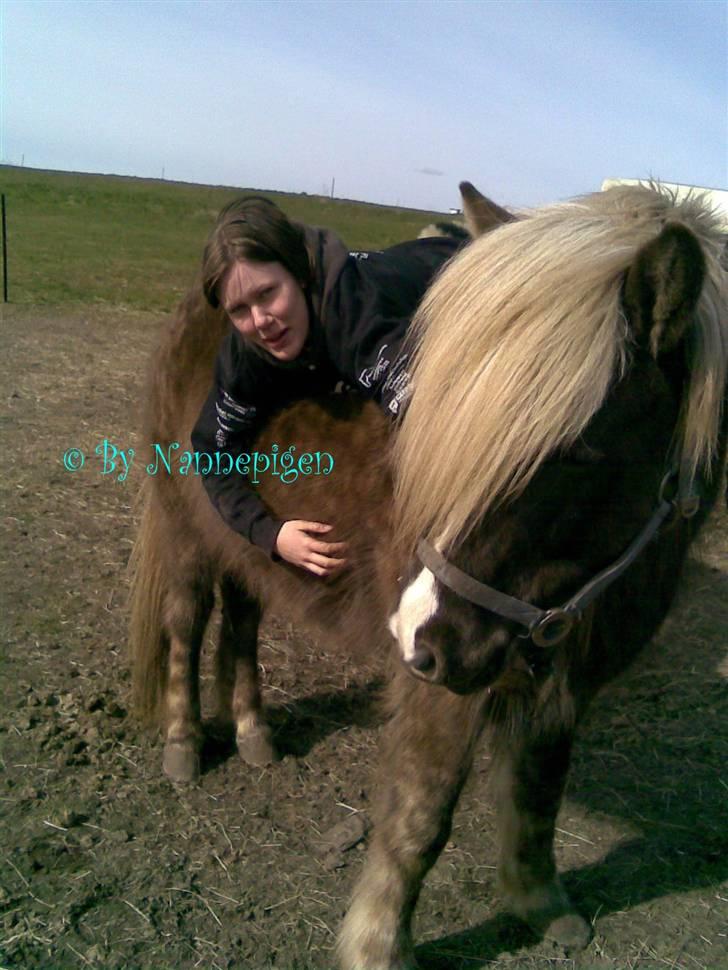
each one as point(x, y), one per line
point(549, 627)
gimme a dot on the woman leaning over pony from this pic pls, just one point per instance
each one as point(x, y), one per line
point(306, 314)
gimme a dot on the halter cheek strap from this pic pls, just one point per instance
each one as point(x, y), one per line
point(548, 627)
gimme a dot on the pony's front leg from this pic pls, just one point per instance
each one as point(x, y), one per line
point(187, 608)
point(427, 751)
point(529, 777)
point(238, 687)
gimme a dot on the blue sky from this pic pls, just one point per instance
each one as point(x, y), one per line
point(532, 100)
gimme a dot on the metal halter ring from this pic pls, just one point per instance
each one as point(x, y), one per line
point(669, 489)
point(552, 628)
point(684, 500)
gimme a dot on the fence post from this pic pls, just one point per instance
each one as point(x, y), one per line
point(5, 253)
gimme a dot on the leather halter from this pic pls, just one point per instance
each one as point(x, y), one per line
point(549, 627)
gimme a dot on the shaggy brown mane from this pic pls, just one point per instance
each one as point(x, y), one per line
point(519, 341)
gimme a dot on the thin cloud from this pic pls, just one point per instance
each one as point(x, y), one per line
point(429, 171)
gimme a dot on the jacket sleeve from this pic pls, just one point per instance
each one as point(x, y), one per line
point(229, 425)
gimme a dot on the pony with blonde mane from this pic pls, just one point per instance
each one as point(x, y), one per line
point(531, 379)
point(570, 377)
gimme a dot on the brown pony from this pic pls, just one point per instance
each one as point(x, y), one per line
point(569, 383)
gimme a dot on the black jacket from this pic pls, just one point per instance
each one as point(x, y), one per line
point(360, 306)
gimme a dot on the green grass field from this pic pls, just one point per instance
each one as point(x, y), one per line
point(106, 239)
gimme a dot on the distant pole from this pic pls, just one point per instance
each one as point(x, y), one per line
point(5, 254)
point(163, 173)
point(333, 183)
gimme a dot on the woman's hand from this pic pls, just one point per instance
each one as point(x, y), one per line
point(297, 544)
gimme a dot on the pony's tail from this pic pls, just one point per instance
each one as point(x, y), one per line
point(148, 641)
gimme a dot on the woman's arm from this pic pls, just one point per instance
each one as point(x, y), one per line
point(226, 425)
point(221, 427)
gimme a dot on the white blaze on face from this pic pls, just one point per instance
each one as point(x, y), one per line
point(417, 605)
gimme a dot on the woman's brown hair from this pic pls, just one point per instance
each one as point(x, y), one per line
point(253, 228)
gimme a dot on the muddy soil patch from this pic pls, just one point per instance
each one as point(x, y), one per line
point(103, 863)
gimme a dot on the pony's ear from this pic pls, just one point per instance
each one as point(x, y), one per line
point(662, 288)
point(481, 215)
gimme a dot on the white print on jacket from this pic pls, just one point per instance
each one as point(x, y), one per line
point(370, 375)
point(231, 418)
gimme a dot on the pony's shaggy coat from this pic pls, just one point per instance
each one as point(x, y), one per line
point(556, 358)
point(519, 344)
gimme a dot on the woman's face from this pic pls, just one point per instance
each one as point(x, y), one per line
point(267, 306)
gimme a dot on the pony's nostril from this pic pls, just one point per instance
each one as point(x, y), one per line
point(423, 660)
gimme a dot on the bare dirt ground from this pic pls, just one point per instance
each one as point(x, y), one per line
point(103, 863)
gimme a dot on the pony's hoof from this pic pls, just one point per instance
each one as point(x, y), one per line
point(181, 762)
point(570, 931)
point(256, 747)
point(371, 936)
point(550, 913)
point(386, 963)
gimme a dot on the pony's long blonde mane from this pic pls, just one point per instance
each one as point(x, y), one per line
point(518, 343)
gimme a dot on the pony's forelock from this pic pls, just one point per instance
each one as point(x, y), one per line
point(518, 343)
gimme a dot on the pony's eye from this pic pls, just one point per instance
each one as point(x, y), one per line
point(583, 454)
point(580, 453)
